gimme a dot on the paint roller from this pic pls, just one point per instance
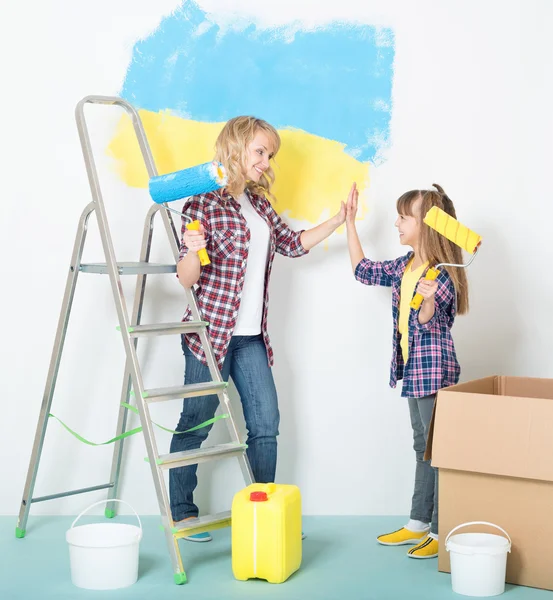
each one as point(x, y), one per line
point(193, 181)
point(455, 232)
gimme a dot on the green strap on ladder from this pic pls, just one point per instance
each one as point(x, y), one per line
point(136, 429)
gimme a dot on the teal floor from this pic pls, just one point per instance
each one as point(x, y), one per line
point(341, 560)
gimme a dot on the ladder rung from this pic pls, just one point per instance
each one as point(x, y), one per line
point(194, 457)
point(136, 331)
point(129, 268)
point(72, 493)
point(184, 391)
point(205, 523)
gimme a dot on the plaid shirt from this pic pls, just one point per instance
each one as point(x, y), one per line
point(221, 282)
point(432, 362)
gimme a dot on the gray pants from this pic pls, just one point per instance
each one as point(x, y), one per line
point(424, 505)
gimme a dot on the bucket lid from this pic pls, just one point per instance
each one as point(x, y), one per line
point(478, 543)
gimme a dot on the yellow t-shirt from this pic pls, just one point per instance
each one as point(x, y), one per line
point(408, 284)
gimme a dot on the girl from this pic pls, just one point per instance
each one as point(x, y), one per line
point(423, 352)
point(242, 232)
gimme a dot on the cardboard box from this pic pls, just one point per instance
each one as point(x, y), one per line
point(492, 441)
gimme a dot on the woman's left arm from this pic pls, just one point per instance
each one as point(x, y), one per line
point(311, 237)
point(297, 243)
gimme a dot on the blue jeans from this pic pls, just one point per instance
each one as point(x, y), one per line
point(424, 504)
point(246, 363)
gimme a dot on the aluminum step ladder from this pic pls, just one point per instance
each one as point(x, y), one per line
point(132, 329)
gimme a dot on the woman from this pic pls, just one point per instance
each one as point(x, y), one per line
point(241, 232)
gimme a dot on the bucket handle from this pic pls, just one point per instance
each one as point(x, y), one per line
point(480, 523)
point(104, 502)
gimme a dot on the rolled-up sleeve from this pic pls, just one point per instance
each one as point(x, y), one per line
point(371, 272)
point(288, 242)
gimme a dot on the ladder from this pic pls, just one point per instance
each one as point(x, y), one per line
point(132, 329)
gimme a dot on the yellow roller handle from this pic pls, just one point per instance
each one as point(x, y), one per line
point(202, 254)
point(431, 275)
point(454, 231)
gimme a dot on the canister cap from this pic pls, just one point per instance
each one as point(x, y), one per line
point(258, 497)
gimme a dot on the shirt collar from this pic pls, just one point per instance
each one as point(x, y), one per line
point(253, 198)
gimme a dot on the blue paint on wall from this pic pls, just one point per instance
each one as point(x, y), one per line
point(334, 82)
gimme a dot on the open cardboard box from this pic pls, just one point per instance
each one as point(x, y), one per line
point(492, 441)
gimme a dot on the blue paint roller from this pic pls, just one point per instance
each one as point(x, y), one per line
point(200, 179)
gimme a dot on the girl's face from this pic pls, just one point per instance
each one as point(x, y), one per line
point(258, 154)
point(409, 226)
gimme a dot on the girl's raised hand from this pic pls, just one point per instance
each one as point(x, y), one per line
point(351, 205)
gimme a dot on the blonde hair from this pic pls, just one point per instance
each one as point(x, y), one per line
point(435, 247)
point(231, 150)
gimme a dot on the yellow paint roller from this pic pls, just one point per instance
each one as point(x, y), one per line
point(455, 232)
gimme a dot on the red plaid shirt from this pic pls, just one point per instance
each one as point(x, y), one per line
point(220, 285)
point(432, 361)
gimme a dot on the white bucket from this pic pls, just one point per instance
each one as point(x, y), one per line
point(478, 561)
point(104, 556)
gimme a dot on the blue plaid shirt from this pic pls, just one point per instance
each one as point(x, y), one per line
point(432, 362)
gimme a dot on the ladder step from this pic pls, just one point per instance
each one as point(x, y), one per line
point(184, 391)
point(166, 328)
point(72, 492)
point(199, 455)
point(129, 268)
point(201, 524)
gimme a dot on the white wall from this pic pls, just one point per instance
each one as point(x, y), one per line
point(472, 111)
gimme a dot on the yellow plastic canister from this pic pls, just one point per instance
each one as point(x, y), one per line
point(266, 532)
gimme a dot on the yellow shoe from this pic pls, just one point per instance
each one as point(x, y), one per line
point(401, 537)
point(428, 548)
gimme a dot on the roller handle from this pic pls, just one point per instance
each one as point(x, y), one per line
point(431, 275)
point(202, 254)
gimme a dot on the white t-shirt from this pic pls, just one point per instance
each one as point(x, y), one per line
point(250, 312)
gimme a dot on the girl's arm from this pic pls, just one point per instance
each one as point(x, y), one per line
point(356, 253)
point(438, 301)
point(366, 271)
point(188, 267)
point(427, 289)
